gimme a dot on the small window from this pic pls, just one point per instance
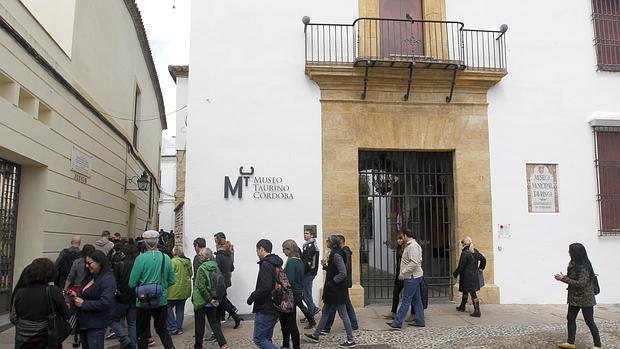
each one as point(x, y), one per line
point(607, 140)
point(606, 21)
point(136, 116)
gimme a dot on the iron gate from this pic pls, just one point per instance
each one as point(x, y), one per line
point(400, 190)
point(9, 193)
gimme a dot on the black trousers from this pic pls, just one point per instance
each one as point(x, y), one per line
point(588, 316)
point(226, 306)
point(214, 322)
point(299, 302)
point(398, 287)
point(143, 324)
point(288, 323)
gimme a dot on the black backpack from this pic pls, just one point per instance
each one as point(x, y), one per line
point(218, 285)
point(68, 256)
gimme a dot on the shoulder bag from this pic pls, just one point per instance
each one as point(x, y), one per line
point(150, 295)
point(58, 329)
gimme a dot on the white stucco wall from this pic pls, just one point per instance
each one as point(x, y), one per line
point(539, 113)
point(182, 113)
point(252, 105)
point(168, 185)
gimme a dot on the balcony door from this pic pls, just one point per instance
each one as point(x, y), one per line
point(402, 40)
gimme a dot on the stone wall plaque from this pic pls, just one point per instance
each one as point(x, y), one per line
point(542, 188)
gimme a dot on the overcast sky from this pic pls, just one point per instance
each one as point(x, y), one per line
point(167, 28)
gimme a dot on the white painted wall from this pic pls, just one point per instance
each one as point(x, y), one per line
point(168, 185)
point(181, 115)
point(539, 113)
point(258, 109)
point(57, 20)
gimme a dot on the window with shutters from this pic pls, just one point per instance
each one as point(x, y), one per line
point(607, 147)
point(606, 21)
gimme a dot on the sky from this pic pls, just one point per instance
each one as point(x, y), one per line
point(167, 28)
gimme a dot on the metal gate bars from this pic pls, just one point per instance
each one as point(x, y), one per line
point(9, 193)
point(401, 190)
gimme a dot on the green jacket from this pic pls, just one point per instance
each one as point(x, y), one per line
point(146, 270)
point(182, 288)
point(202, 284)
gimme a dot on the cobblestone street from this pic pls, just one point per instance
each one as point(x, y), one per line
point(501, 326)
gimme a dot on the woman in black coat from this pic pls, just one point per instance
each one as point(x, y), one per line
point(225, 262)
point(471, 263)
point(96, 301)
point(32, 301)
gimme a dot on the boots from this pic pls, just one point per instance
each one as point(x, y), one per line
point(461, 307)
point(476, 312)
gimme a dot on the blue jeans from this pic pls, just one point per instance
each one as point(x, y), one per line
point(263, 330)
point(176, 309)
point(92, 338)
point(308, 279)
point(350, 312)
point(129, 313)
point(411, 296)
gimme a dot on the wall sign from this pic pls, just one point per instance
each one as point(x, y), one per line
point(542, 188)
point(81, 162)
point(257, 187)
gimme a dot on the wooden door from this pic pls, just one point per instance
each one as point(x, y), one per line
point(401, 39)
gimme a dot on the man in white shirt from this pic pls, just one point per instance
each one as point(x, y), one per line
point(411, 274)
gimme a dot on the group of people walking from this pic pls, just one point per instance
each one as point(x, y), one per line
point(109, 283)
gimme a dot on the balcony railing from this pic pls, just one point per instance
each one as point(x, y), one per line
point(400, 42)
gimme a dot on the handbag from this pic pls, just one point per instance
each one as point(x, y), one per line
point(58, 329)
point(150, 295)
point(480, 278)
point(595, 287)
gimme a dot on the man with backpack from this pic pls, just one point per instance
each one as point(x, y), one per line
point(65, 260)
point(151, 276)
point(209, 290)
point(266, 313)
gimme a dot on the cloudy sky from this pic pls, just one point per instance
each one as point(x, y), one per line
point(167, 28)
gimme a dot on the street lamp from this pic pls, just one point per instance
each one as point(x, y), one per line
point(142, 182)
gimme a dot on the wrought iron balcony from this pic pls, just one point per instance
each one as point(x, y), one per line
point(404, 43)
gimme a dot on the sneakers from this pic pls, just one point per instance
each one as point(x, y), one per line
point(392, 326)
point(324, 331)
point(311, 337)
point(111, 335)
point(347, 344)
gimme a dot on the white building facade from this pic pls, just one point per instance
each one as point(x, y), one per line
point(168, 167)
point(358, 129)
point(81, 115)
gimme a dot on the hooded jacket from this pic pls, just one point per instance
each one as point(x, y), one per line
point(202, 284)
point(104, 245)
point(265, 282)
point(182, 288)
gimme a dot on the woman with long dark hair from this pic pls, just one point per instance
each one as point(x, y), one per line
point(32, 300)
point(96, 301)
point(579, 277)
